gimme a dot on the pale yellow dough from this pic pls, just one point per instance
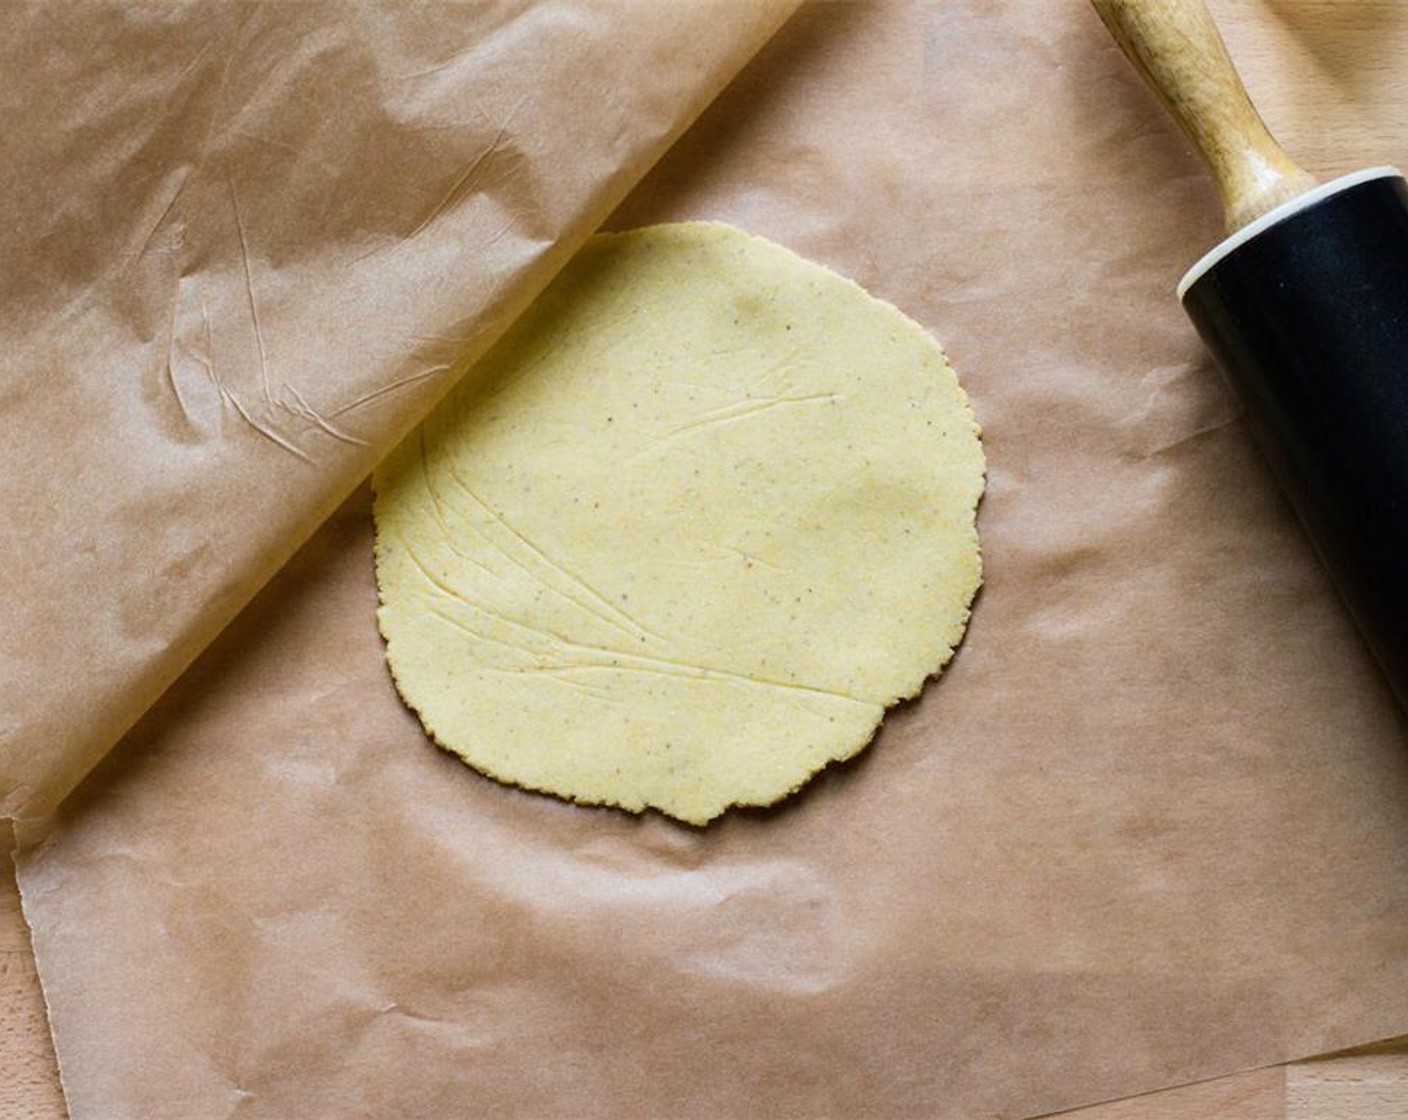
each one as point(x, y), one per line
point(685, 533)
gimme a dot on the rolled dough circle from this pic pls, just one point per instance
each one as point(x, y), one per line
point(685, 533)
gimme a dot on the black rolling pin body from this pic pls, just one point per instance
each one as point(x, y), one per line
point(1308, 316)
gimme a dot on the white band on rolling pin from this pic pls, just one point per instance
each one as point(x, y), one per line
point(1280, 213)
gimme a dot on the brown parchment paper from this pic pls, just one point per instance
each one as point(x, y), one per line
point(246, 247)
point(1151, 826)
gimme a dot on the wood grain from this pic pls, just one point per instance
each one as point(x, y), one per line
point(1329, 77)
point(1370, 1084)
point(1176, 46)
point(29, 1079)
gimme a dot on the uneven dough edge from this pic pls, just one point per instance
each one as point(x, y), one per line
point(952, 637)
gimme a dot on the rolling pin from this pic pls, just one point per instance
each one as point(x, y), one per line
point(1305, 308)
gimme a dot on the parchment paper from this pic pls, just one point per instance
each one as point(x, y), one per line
point(1151, 826)
point(246, 247)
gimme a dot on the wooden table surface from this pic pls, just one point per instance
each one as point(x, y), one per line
point(29, 1080)
point(1331, 78)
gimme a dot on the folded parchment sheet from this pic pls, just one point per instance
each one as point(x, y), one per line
point(1151, 825)
point(248, 246)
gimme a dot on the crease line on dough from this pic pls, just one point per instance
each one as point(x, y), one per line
point(684, 670)
point(464, 627)
point(732, 414)
point(751, 406)
point(616, 614)
point(557, 678)
point(439, 510)
point(459, 600)
point(616, 659)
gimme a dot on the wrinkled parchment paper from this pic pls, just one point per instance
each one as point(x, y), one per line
point(247, 247)
point(1151, 826)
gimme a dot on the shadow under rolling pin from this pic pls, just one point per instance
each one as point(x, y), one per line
point(1305, 307)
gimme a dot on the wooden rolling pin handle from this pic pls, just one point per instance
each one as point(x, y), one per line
point(1175, 44)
